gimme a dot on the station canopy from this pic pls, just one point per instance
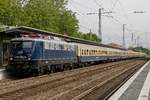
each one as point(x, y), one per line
point(33, 31)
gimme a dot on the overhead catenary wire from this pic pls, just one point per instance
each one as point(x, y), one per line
point(112, 16)
point(81, 14)
point(99, 5)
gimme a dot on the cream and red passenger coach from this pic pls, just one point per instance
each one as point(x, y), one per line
point(88, 53)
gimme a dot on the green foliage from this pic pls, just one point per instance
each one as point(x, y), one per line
point(87, 36)
point(49, 15)
point(9, 11)
point(91, 37)
point(140, 49)
point(68, 23)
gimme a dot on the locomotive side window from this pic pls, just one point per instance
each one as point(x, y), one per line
point(49, 45)
point(65, 47)
point(46, 45)
point(72, 48)
point(61, 47)
point(52, 46)
point(56, 46)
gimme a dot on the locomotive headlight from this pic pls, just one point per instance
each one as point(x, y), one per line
point(11, 58)
point(29, 58)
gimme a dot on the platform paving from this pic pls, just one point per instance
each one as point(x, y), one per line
point(137, 87)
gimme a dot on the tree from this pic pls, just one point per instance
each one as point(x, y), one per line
point(68, 23)
point(9, 12)
point(44, 14)
point(49, 15)
point(140, 49)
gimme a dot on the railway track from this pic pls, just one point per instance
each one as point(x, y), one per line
point(104, 90)
point(72, 84)
point(87, 87)
point(51, 77)
point(5, 80)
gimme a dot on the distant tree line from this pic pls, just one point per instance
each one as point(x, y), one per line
point(50, 15)
point(140, 49)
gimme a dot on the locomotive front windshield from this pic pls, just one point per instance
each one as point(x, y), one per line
point(21, 50)
point(22, 44)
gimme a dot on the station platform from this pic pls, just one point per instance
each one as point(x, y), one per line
point(137, 87)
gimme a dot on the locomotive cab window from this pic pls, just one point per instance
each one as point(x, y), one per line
point(22, 44)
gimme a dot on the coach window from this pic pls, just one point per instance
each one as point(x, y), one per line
point(84, 52)
point(99, 52)
point(102, 52)
point(87, 52)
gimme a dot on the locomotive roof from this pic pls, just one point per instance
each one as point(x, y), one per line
point(40, 39)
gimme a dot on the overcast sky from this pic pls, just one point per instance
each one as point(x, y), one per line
point(137, 23)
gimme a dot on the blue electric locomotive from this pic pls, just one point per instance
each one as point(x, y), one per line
point(40, 56)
